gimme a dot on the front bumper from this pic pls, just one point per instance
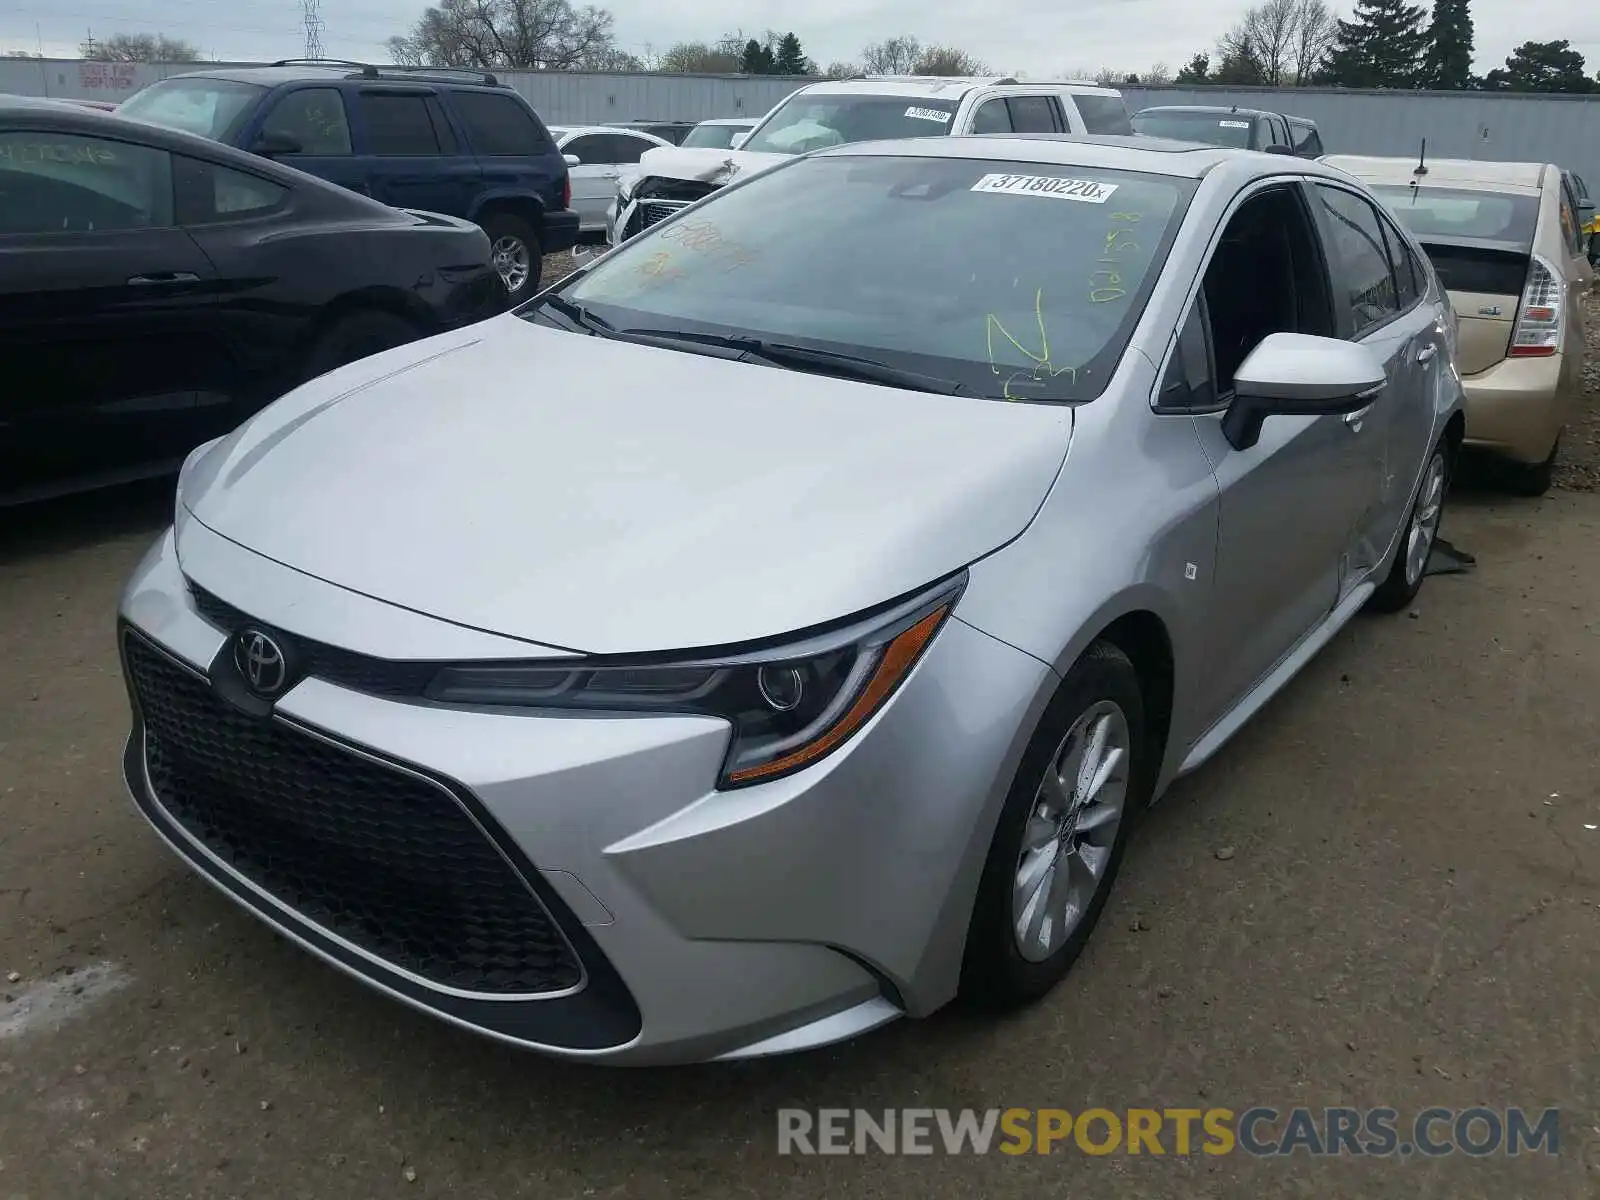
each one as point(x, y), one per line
point(696, 924)
point(1517, 406)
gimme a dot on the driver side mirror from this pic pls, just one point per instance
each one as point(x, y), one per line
point(1299, 374)
point(573, 160)
point(739, 139)
point(270, 145)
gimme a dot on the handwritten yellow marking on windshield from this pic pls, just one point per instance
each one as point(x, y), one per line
point(1042, 367)
point(1105, 284)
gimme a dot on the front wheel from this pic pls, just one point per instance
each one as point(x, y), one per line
point(514, 249)
point(1081, 785)
point(1421, 530)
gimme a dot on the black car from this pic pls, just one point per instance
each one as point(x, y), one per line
point(671, 131)
point(453, 142)
point(157, 288)
point(1222, 125)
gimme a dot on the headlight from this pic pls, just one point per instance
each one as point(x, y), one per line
point(790, 706)
point(626, 185)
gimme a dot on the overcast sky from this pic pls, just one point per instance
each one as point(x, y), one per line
point(1039, 37)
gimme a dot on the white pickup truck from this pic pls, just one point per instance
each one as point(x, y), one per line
point(856, 110)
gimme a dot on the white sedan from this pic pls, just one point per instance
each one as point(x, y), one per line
point(601, 152)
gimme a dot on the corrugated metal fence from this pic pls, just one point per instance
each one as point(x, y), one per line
point(1561, 129)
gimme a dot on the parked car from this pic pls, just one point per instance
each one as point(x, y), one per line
point(909, 671)
point(1507, 240)
point(157, 288)
point(1224, 125)
point(868, 108)
point(595, 157)
point(457, 143)
point(719, 134)
point(1585, 203)
point(668, 131)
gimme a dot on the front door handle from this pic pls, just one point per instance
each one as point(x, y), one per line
point(1427, 352)
point(157, 278)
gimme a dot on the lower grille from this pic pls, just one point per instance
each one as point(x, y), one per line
point(653, 212)
point(382, 858)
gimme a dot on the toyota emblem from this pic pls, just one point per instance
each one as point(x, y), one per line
point(261, 662)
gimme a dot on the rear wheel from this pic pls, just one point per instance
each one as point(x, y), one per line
point(355, 336)
point(1534, 479)
point(1081, 785)
point(515, 251)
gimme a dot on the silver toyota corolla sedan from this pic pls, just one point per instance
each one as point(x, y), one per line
point(780, 626)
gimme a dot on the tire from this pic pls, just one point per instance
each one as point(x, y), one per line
point(1533, 479)
point(1400, 588)
point(355, 336)
point(996, 972)
point(517, 255)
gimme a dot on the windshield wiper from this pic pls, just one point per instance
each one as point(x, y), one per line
point(579, 315)
point(822, 362)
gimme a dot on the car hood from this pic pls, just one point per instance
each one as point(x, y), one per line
point(608, 497)
point(703, 164)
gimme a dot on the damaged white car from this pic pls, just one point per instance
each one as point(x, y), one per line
point(871, 108)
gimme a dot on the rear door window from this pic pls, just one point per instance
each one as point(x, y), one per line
point(1103, 114)
point(499, 126)
point(398, 124)
point(1033, 114)
point(314, 118)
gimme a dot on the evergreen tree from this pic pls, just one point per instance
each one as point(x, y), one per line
point(1449, 60)
point(791, 59)
point(1198, 70)
point(756, 60)
point(1383, 47)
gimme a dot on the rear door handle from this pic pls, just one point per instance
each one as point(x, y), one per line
point(1427, 352)
point(156, 278)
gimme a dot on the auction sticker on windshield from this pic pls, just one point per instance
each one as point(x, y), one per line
point(1054, 186)
point(1234, 124)
point(928, 114)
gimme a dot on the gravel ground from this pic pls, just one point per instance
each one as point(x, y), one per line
point(1578, 468)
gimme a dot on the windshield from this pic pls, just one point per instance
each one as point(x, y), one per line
point(210, 107)
point(1017, 281)
point(1210, 128)
point(808, 121)
point(713, 137)
point(1451, 213)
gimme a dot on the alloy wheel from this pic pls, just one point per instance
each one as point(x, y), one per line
point(1071, 831)
point(511, 262)
point(1425, 515)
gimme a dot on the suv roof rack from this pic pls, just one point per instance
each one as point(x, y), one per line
point(371, 71)
point(964, 80)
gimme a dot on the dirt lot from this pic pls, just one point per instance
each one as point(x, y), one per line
point(1386, 891)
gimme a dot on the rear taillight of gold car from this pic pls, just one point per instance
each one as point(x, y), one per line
point(1540, 313)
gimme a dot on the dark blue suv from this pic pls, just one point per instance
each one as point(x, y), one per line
point(453, 142)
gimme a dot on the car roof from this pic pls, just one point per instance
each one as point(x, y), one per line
point(281, 73)
point(1467, 173)
point(564, 131)
point(940, 86)
point(731, 121)
point(1205, 110)
point(1116, 152)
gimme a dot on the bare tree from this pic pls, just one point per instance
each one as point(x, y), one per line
point(139, 47)
point(946, 60)
point(1315, 31)
point(843, 70)
point(1109, 77)
point(1270, 29)
point(536, 34)
point(892, 56)
point(699, 58)
point(1158, 76)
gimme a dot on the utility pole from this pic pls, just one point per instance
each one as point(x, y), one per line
point(313, 23)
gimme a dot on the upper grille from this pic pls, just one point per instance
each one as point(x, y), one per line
point(652, 212)
point(683, 191)
point(358, 672)
point(378, 856)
